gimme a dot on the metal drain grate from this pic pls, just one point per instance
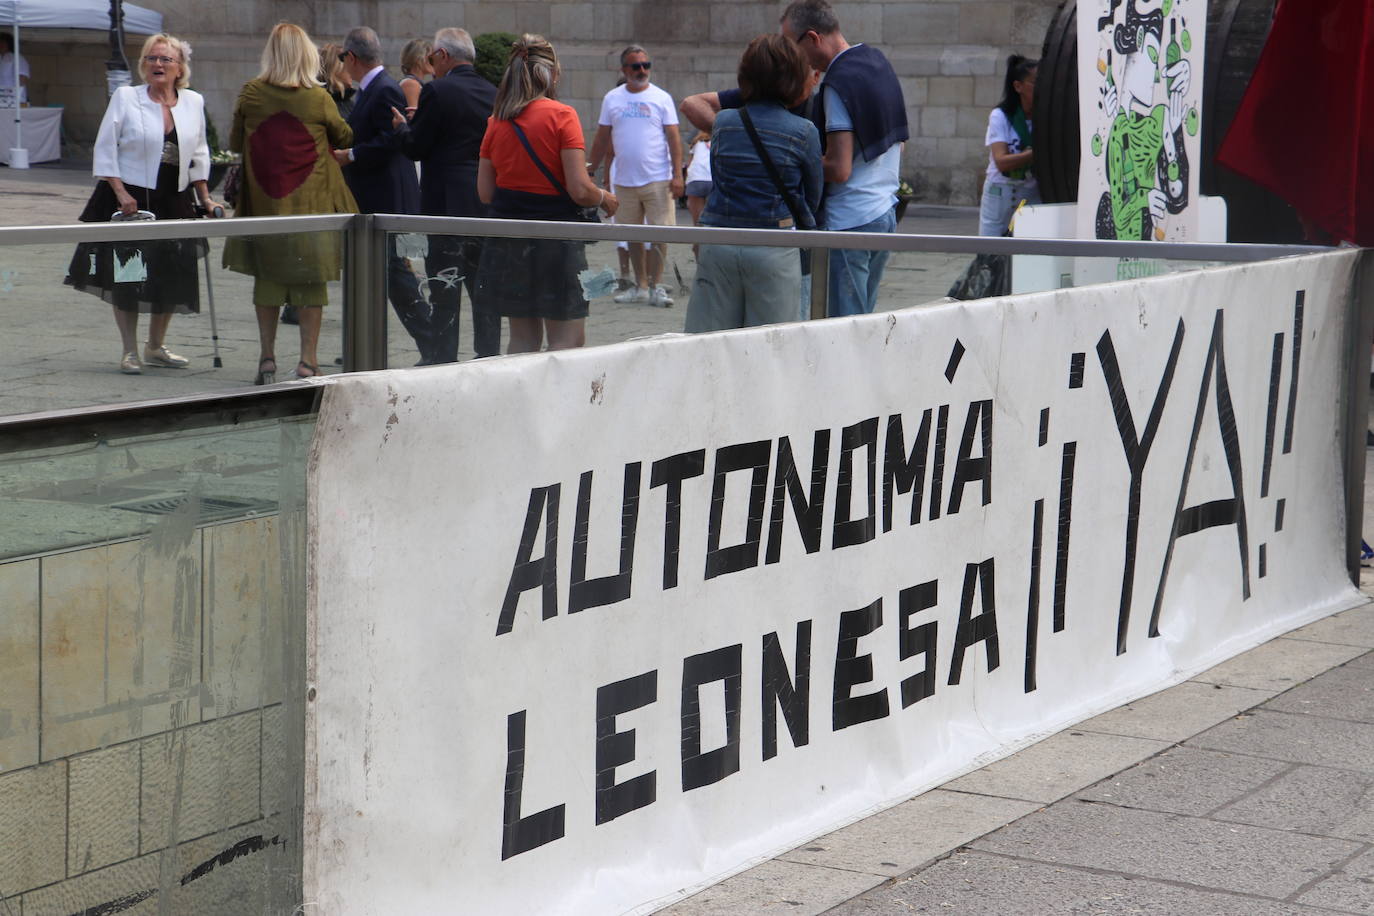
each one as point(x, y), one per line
point(212, 508)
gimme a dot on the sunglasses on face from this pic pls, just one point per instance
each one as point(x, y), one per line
point(343, 56)
point(156, 59)
point(642, 65)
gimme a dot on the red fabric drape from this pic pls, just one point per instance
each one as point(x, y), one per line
point(1305, 128)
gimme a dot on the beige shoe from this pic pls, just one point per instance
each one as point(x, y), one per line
point(164, 357)
point(130, 365)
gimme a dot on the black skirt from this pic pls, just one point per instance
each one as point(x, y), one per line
point(159, 277)
point(531, 278)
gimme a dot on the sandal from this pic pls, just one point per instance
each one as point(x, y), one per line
point(267, 372)
point(311, 371)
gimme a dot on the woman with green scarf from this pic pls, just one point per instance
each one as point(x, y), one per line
point(1011, 159)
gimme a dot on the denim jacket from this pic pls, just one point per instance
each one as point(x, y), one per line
point(743, 196)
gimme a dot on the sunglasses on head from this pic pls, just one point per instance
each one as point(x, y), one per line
point(642, 65)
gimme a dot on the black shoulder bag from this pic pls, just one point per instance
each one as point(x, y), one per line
point(800, 218)
point(584, 214)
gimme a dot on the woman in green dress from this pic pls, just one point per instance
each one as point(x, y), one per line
point(285, 125)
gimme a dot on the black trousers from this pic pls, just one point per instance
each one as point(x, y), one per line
point(452, 264)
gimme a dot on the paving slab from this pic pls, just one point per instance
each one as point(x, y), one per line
point(1350, 890)
point(1279, 664)
point(777, 887)
point(899, 839)
point(1186, 780)
point(1315, 800)
point(1177, 713)
point(1354, 627)
point(1362, 661)
point(980, 884)
point(1058, 766)
point(1341, 693)
point(1299, 739)
point(1171, 847)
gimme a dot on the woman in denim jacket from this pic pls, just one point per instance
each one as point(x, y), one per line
point(741, 286)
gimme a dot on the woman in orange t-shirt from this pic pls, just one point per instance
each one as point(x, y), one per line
point(534, 282)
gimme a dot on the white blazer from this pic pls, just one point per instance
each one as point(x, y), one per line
point(129, 144)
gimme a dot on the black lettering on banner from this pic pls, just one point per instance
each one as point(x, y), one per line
point(1271, 415)
point(671, 472)
point(1298, 300)
point(1033, 598)
point(975, 629)
point(1263, 561)
point(937, 473)
point(807, 510)
point(1061, 550)
point(521, 834)
point(852, 669)
point(702, 768)
point(616, 748)
point(793, 696)
point(1217, 512)
point(585, 593)
point(530, 572)
point(850, 531)
point(902, 472)
point(955, 355)
point(912, 641)
point(1077, 361)
point(746, 455)
point(1137, 454)
point(1278, 514)
point(1044, 426)
point(967, 469)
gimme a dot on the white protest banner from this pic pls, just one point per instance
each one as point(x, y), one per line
point(594, 628)
point(1140, 69)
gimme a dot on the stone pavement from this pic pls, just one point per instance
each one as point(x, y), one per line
point(65, 349)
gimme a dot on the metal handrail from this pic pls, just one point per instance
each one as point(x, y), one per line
point(458, 225)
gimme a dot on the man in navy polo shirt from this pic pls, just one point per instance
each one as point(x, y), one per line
point(862, 120)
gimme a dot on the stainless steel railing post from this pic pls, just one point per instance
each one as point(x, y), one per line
point(820, 281)
point(364, 285)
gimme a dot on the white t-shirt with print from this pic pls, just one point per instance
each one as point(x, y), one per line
point(637, 120)
point(1001, 131)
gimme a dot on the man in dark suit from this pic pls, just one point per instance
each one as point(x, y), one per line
point(381, 178)
point(445, 138)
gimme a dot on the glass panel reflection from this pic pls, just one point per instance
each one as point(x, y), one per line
point(67, 349)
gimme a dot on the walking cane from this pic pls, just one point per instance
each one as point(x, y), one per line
point(210, 295)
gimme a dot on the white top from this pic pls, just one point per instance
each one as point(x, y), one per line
point(1001, 131)
point(7, 74)
point(637, 121)
point(699, 169)
point(872, 186)
point(129, 144)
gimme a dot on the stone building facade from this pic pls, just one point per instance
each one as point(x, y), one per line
point(949, 54)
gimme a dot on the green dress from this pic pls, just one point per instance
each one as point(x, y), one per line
point(286, 137)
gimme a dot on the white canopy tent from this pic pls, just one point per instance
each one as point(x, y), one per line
point(65, 14)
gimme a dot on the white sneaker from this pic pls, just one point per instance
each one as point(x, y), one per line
point(660, 297)
point(633, 294)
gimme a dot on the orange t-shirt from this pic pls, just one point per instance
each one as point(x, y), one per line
point(551, 127)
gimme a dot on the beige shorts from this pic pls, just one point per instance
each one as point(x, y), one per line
point(650, 204)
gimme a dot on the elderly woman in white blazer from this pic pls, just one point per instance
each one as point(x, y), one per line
point(150, 152)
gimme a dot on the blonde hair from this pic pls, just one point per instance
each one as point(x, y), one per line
point(415, 55)
point(179, 47)
point(531, 72)
point(290, 59)
point(332, 69)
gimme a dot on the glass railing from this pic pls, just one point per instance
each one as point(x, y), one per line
point(152, 651)
point(67, 346)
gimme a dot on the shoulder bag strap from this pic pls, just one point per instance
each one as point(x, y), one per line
point(548, 173)
point(797, 214)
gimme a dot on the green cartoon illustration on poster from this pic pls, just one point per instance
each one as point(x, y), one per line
point(1143, 144)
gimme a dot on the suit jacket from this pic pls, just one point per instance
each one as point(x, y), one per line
point(446, 137)
point(381, 178)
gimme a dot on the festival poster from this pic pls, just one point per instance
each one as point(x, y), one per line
point(1140, 99)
